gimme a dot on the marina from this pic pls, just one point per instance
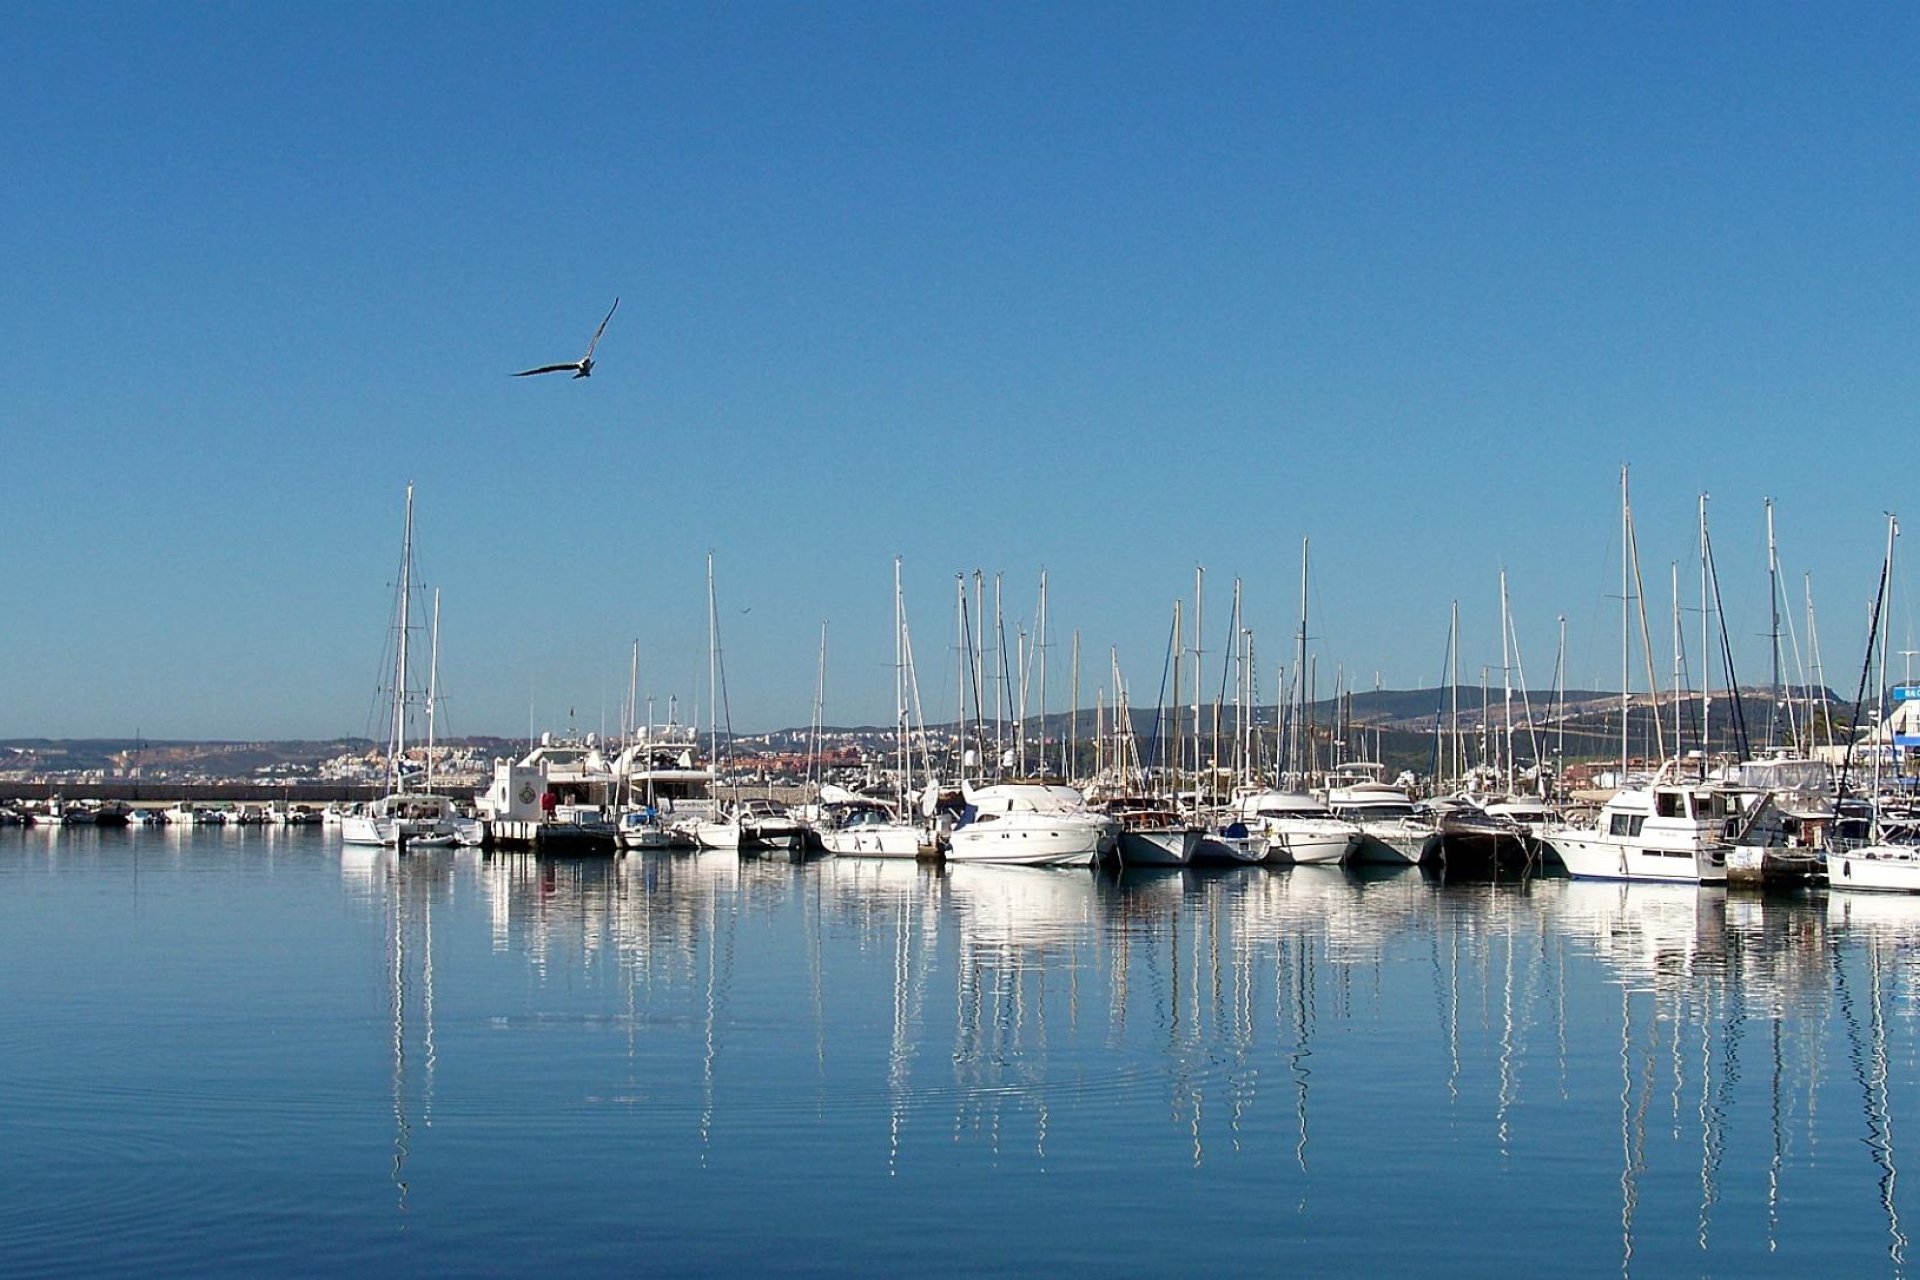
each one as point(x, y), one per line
point(388, 1051)
point(959, 640)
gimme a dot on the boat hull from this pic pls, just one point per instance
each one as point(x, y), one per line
point(1595, 857)
point(1158, 846)
point(1007, 845)
point(1219, 850)
point(1391, 845)
point(1876, 869)
point(872, 840)
point(1309, 843)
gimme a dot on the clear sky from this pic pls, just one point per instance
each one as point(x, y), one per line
point(1112, 290)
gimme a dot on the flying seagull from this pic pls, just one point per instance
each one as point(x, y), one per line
point(583, 367)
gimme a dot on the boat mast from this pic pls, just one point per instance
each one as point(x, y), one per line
point(1073, 713)
point(819, 712)
point(1560, 697)
point(1706, 648)
point(1453, 711)
point(1773, 628)
point(1178, 754)
point(433, 682)
point(397, 742)
point(630, 730)
point(902, 758)
point(1506, 682)
point(1040, 646)
point(1817, 676)
point(1199, 581)
point(1297, 740)
point(1626, 632)
point(1882, 712)
point(1679, 658)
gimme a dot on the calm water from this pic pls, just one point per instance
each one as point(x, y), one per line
point(255, 1053)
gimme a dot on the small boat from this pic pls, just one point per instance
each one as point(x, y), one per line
point(751, 826)
point(855, 825)
point(642, 830)
point(1152, 832)
point(1230, 843)
point(1470, 838)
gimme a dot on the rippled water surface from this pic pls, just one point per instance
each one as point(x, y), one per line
point(256, 1053)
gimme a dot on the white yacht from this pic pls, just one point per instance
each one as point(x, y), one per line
point(1676, 829)
point(1033, 824)
point(1299, 829)
point(1390, 834)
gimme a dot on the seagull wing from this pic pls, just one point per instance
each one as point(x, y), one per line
point(602, 329)
point(548, 368)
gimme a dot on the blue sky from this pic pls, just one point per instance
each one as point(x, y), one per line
point(1109, 290)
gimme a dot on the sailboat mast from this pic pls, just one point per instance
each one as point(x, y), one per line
point(819, 711)
point(433, 681)
point(1706, 638)
point(1298, 741)
point(1073, 714)
point(1453, 710)
point(1773, 628)
point(713, 671)
point(1881, 711)
point(1626, 625)
point(1560, 698)
point(1040, 644)
point(903, 761)
point(398, 741)
point(1199, 581)
point(1679, 658)
point(1506, 683)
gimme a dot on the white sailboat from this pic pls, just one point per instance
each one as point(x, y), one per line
point(855, 825)
point(402, 816)
point(1891, 862)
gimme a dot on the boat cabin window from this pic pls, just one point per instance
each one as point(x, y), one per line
point(1627, 824)
point(1669, 804)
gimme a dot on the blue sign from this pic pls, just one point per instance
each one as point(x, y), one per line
point(1906, 693)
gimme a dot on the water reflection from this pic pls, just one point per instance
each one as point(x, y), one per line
point(404, 891)
point(1233, 1015)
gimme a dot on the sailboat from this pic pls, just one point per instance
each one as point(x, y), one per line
point(402, 817)
point(1891, 862)
point(750, 825)
point(860, 825)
